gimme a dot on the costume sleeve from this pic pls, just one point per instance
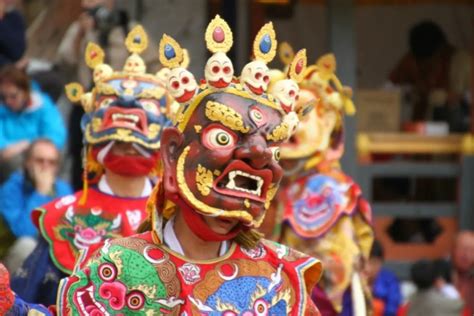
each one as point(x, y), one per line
point(394, 299)
point(12, 38)
point(37, 280)
point(22, 308)
point(311, 309)
point(52, 123)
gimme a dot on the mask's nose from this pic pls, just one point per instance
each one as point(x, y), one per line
point(255, 152)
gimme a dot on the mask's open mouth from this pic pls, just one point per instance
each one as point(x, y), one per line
point(133, 119)
point(256, 90)
point(312, 215)
point(241, 180)
point(186, 96)
point(83, 243)
point(87, 303)
point(221, 83)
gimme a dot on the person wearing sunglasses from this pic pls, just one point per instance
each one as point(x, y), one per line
point(26, 114)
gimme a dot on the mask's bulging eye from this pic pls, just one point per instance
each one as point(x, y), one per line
point(275, 153)
point(107, 272)
point(258, 75)
point(215, 69)
point(226, 69)
point(185, 80)
point(106, 102)
point(151, 107)
point(256, 115)
point(218, 138)
point(223, 139)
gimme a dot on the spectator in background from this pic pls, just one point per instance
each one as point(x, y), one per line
point(24, 191)
point(12, 34)
point(384, 284)
point(102, 23)
point(428, 300)
point(439, 74)
point(443, 281)
point(25, 116)
point(463, 264)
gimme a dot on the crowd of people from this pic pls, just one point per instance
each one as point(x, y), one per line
point(223, 196)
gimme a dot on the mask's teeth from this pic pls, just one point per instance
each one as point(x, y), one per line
point(231, 184)
point(130, 117)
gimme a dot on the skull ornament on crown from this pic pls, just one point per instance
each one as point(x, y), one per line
point(254, 77)
point(221, 158)
point(324, 99)
point(180, 82)
point(219, 70)
point(128, 106)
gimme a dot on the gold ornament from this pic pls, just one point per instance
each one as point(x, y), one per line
point(204, 180)
point(153, 130)
point(266, 32)
point(271, 192)
point(96, 124)
point(137, 40)
point(218, 112)
point(279, 133)
point(94, 55)
point(218, 36)
point(74, 91)
point(170, 52)
point(297, 66)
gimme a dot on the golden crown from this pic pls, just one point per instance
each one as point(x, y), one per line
point(134, 67)
point(253, 82)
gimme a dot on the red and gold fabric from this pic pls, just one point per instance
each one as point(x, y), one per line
point(136, 274)
point(70, 227)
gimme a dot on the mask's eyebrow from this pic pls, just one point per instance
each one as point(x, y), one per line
point(155, 92)
point(218, 112)
point(279, 133)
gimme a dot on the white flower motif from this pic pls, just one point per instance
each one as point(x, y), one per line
point(255, 253)
point(190, 273)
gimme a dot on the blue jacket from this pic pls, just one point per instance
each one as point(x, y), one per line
point(18, 198)
point(41, 119)
point(386, 287)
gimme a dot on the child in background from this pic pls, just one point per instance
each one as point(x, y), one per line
point(428, 300)
point(443, 281)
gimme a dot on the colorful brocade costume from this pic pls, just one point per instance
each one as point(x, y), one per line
point(270, 279)
point(320, 210)
point(127, 106)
